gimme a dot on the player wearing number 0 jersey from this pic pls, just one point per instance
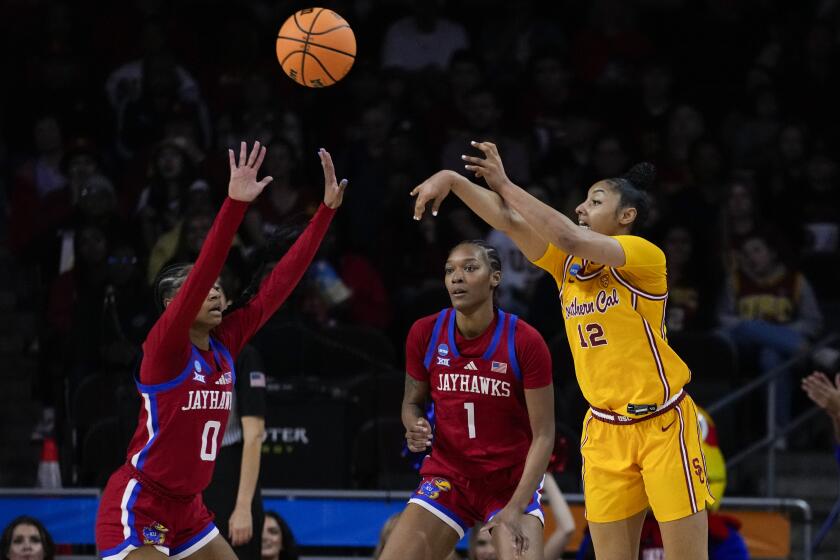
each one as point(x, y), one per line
point(641, 442)
point(152, 506)
point(488, 374)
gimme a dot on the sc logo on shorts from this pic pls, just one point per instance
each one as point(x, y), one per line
point(432, 488)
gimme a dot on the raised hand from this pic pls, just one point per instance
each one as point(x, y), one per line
point(333, 190)
point(434, 189)
point(419, 436)
point(823, 392)
point(490, 166)
point(243, 184)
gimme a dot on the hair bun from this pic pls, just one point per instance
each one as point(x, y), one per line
point(642, 175)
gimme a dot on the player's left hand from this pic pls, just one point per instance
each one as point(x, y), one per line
point(333, 190)
point(490, 166)
point(240, 526)
point(510, 520)
point(823, 392)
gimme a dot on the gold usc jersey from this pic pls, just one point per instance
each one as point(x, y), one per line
point(615, 324)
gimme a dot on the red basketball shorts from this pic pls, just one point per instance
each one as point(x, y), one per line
point(132, 513)
point(461, 502)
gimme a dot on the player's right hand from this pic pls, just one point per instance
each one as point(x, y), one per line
point(243, 184)
point(434, 190)
point(419, 436)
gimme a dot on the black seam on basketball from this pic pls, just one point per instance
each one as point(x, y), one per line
point(299, 26)
point(282, 62)
point(330, 29)
point(321, 64)
point(308, 34)
point(319, 45)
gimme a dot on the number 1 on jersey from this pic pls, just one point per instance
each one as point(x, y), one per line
point(470, 419)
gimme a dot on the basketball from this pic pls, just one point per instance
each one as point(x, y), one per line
point(316, 47)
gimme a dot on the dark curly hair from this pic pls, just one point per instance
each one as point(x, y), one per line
point(290, 548)
point(46, 539)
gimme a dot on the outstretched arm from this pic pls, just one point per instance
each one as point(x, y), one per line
point(550, 224)
point(488, 205)
point(241, 325)
point(167, 347)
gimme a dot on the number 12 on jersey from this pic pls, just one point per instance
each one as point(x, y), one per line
point(594, 332)
point(470, 419)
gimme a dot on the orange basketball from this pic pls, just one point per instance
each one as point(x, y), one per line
point(316, 47)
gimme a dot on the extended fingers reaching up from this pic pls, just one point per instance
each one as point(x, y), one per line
point(333, 190)
point(243, 175)
point(489, 167)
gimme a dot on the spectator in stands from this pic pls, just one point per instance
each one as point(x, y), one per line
point(688, 308)
point(422, 40)
point(739, 219)
point(481, 544)
point(26, 538)
point(278, 542)
point(769, 307)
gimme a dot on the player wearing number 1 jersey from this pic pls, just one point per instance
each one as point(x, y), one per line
point(489, 377)
point(152, 506)
point(641, 440)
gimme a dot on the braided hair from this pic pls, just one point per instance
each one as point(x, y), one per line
point(168, 281)
point(632, 188)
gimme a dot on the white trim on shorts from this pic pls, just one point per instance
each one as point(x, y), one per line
point(201, 543)
point(440, 515)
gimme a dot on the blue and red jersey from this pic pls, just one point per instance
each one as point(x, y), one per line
point(478, 390)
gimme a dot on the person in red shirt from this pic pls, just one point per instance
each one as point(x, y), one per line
point(152, 505)
point(488, 375)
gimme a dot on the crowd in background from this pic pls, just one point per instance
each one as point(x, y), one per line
point(114, 128)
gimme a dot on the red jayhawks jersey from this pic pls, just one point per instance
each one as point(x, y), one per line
point(478, 390)
point(182, 423)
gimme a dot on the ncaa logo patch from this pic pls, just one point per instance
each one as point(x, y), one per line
point(443, 350)
point(574, 269)
point(432, 488)
point(197, 366)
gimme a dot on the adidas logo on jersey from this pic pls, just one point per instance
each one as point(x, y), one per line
point(225, 379)
point(471, 366)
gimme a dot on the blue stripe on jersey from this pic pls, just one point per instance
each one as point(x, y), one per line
point(133, 537)
point(433, 341)
point(194, 355)
point(141, 457)
point(216, 345)
point(452, 347)
point(500, 325)
point(514, 363)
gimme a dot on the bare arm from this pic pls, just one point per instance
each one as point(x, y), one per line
point(488, 205)
point(549, 224)
point(241, 525)
point(418, 431)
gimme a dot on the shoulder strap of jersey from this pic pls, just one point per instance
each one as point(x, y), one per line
point(511, 342)
point(427, 361)
point(219, 347)
point(497, 334)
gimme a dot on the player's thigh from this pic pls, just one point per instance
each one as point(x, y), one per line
point(146, 552)
point(686, 538)
point(217, 549)
point(419, 535)
point(673, 465)
point(618, 540)
point(504, 545)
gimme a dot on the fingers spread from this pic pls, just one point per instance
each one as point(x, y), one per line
point(231, 159)
point(260, 158)
point(243, 153)
point(255, 151)
point(266, 180)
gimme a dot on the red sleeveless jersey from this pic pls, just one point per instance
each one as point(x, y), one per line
point(182, 422)
point(478, 390)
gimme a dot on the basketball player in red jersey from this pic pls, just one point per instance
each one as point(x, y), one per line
point(489, 377)
point(152, 505)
